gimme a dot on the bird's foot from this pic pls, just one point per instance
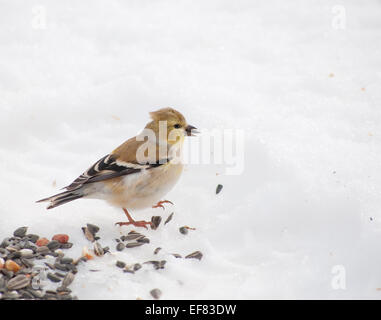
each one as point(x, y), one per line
point(160, 204)
point(141, 223)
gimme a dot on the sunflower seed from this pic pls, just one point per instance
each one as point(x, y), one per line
point(89, 236)
point(157, 264)
point(128, 270)
point(61, 266)
point(92, 228)
point(42, 250)
point(51, 266)
point(195, 255)
point(8, 274)
point(143, 240)
point(155, 293)
point(131, 237)
point(32, 237)
point(176, 255)
point(66, 260)
point(133, 244)
point(27, 262)
point(5, 243)
point(219, 188)
point(59, 274)
point(98, 250)
point(26, 294)
point(137, 266)
point(65, 297)
point(53, 245)
point(10, 295)
point(53, 277)
point(63, 290)
point(120, 264)
point(36, 293)
point(169, 218)
point(67, 281)
point(26, 253)
point(20, 232)
point(50, 296)
point(18, 282)
point(155, 221)
point(66, 245)
point(183, 230)
point(157, 250)
point(133, 232)
point(120, 246)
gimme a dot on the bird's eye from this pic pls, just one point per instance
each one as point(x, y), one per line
point(177, 126)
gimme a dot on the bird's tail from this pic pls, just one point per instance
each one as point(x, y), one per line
point(62, 198)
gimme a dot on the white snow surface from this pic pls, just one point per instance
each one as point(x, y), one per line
point(306, 94)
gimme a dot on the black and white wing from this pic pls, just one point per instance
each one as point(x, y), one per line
point(107, 168)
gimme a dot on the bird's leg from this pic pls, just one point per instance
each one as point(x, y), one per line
point(133, 222)
point(160, 204)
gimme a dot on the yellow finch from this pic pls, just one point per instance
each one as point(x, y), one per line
point(139, 172)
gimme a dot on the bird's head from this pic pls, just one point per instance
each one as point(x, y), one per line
point(170, 125)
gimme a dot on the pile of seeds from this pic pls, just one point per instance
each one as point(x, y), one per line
point(36, 268)
point(30, 266)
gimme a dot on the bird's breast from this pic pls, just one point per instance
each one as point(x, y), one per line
point(146, 188)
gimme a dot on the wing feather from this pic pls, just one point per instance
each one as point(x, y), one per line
point(110, 167)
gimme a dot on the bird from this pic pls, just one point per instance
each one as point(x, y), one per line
point(138, 173)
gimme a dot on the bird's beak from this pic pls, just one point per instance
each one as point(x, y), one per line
point(190, 130)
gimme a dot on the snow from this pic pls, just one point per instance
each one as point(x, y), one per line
point(79, 78)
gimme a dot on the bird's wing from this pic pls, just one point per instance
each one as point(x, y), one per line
point(120, 162)
point(109, 167)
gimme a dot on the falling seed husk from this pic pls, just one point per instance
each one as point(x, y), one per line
point(157, 250)
point(156, 293)
point(194, 255)
point(155, 222)
point(169, 218)
point(134, 244)
point(176, 255)
point(219, 188)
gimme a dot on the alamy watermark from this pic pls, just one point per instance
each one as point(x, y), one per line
point(225, 147)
